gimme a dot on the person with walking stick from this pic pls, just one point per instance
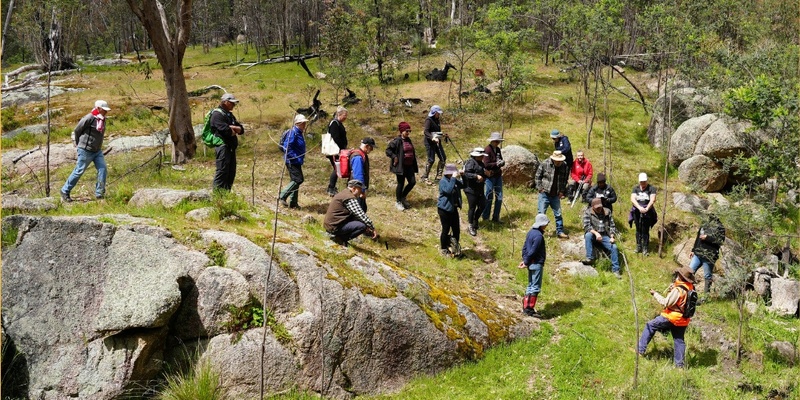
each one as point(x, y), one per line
point(493, 162)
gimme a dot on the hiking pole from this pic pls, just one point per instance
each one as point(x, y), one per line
point(447, 138)
point(577, 194)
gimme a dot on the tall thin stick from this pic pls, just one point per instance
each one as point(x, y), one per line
point(266, 284)
point(635, 319)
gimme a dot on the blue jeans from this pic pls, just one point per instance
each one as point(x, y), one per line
point(86, 157)
point(534, 280)
point(661, 324)
point(494, 184)
point(708, 266)
point(553, 202)
point(613, 252)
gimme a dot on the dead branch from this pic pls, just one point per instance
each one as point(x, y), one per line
point(36, 77)
point(12, 76)
point(25, 154)
point(202, 91)
point(275, 60)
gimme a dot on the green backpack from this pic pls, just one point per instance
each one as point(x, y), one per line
point(209, 138)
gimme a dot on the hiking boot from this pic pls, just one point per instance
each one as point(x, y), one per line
point(100, 197)
point(398, 205)
point(284, 203)
point(332, 192)
point(638, 249)
point(645, 252)
point(587, 261)
point(472, 231)
point(562, 235)
point(618, 274)
point(340, 241)
point(405, 203)
point(497, 221)
point(427, 181)
point(65, 197)
point(531, 312)
point(445, 253)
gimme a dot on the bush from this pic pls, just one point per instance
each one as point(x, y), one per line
point(200, 383)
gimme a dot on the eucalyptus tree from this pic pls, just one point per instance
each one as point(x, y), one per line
point(505, 38)
point(341, 49)
point(461, 40)
point(169, 34)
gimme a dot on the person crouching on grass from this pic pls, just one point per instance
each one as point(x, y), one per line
point(449, 203)
point(671, 318)
point(533, 257)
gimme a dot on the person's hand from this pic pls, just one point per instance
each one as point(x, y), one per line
point(560, 195)
point(652, 292)
point(691, 254)
point(488, 172)
point(703, 237)
point(612, 240)
point(598, 237)
point(435, 140)
point(522, 265)
point(374, 234)
point(394, 162)
point(501, 163)
point(480, 178)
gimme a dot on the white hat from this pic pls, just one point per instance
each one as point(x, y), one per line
point(642, 177)
point(102, 104)
point(558, 156)
point(300, 118)
point(229, 97)
point(540, 221)
point(477, 152)
point(495, 137)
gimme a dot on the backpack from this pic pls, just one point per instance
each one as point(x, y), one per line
point(345, 157)
point(282, 142)
point(209, 138)
point(691, 302)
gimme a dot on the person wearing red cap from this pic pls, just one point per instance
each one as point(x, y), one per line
point(88, 137)
point(403, 163)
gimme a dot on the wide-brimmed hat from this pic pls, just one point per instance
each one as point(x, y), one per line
point(540, 221)
point(495, 136)
point(685, 273)
point(477, 152)
point(558, 156)
point(554, 133)
point(450, 169)
point(299, 119)
point(102, 104)
point(229, 97)
point(434, 110)
point(355, 183)
point(642, 177)
point(404, 126)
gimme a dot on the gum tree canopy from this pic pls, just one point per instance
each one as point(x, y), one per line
point(169, 37)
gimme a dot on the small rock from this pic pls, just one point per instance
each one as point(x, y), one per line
point(200, 214)
point(308, 219)
point(785, 349)
point(576, 268)
point(751, 307)
point(23, 204)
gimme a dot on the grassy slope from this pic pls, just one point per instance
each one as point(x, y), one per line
point(585, 347)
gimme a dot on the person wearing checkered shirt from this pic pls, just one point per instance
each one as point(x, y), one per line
point(345, 219)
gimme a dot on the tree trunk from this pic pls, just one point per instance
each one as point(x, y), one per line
point(170, 51)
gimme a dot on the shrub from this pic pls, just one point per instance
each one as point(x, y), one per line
point(200, 383)
point(216, 252)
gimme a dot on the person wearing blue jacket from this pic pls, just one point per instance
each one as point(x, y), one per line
point(359, 167)
point(293, 157)
point(448, 204)
point(534, 255)
point(561, 143)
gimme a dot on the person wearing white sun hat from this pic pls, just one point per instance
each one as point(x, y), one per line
point(474, 180)
point(643, 213)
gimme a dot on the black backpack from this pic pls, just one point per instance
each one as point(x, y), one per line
point(691, 302)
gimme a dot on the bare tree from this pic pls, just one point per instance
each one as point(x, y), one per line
point(169, 38)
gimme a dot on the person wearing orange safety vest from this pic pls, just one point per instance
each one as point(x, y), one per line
point(671, 318)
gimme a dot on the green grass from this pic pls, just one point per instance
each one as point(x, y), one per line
point(585, 347)
point(200, 383)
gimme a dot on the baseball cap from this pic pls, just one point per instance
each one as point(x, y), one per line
point(229, 97)
point(102, 104)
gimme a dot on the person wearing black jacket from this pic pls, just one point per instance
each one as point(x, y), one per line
point(88, 137)
point(474, 181)
point(494, 177)
point(403, 164)
point(705, 251)
point(603, 192)
point(434, 143)
point(339, 135)
point(225, 126)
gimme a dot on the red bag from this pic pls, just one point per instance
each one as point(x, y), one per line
point(343, 165)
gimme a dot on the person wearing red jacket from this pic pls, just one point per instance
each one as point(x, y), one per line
point(580, 177)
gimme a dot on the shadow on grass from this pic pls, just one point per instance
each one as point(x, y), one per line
point(558, 308)
point(705, 358)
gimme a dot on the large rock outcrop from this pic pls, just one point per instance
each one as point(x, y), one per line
point(97, 310)
point(677, 106)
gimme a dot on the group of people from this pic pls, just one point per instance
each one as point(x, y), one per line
point(557, 177)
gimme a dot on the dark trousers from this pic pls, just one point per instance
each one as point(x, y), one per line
point(402, 190)
point(291, 190)
point(226, 167)
point(643, 225)
point(450, 223)
point(350, 230)
point(334, 178)
point(434, 150)
point(661, 324)
point(477, 202)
